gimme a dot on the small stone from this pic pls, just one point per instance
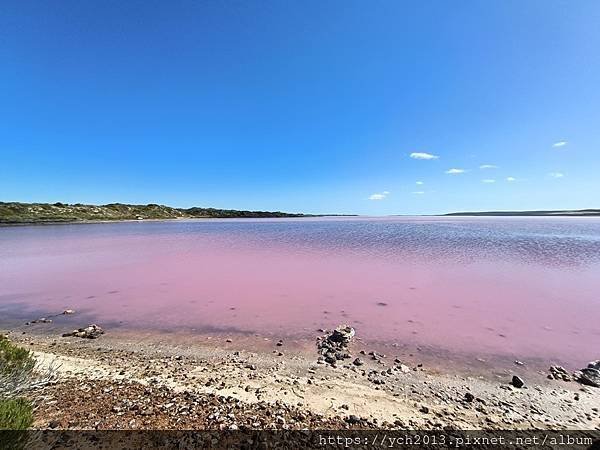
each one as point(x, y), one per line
point(517, 381)
point(469, 397)
point(352, 419)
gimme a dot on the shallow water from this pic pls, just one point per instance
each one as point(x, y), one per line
point(518, 287)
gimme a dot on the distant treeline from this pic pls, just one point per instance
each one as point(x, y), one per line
point(15, 213)
point(580, 212)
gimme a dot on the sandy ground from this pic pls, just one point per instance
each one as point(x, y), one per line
point(140, 381)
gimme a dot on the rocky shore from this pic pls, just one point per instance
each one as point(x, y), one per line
point(140, 381)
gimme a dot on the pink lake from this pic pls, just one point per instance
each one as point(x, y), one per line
point(514, 287)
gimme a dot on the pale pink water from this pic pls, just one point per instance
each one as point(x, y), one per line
point(517, 287)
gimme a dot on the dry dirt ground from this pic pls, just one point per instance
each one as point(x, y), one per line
point(137, 381)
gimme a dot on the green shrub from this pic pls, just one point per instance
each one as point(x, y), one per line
point(14, 358)
point(15, 414)
point(16, 367)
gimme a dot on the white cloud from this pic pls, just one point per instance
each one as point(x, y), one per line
point(419, 183)
point(455, 171)
point(560, 144)
point(556, 174)
point(488, 180)
point(488, 166)
point(419, 192)
point(511, 179)
point(379, 195)
point(422, 155)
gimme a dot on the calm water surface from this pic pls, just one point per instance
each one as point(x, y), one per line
point(505, 286)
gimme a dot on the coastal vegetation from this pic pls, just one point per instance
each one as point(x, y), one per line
point(15, 212)
point(20, 375)
point(16, 367)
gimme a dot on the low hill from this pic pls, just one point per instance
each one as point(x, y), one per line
point(15, 213)
point(580, 212)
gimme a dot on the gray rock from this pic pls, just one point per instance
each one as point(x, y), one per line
point(342, 334)
point(90, 332)
point(333, 347)
point(559, 373)
point(594, 365)
point(590, 376)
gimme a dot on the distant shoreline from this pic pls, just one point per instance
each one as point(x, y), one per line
point(548, 213)
point(17, 213)
point(177, 219)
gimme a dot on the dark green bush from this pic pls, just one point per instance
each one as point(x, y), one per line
point(14, 358)
point(15, 414)
point(16, 367)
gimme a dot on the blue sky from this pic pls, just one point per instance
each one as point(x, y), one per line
point(312, 106)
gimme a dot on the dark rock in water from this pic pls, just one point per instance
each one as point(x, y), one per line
point(90, 332)
point(382, 304)
point(41, 320)
point(517, 381)
point(591, 374)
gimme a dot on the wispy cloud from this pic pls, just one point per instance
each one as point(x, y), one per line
point(556, 174)
point(488, 180)
point(488, 166)
point(419, 183)
point(419, 192)
point(379, 195)
point(422, 155)
point(455, 171)
point(511, 179)
point(560, 144)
